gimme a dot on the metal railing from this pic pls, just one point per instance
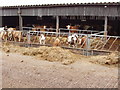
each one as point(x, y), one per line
point(93, 40)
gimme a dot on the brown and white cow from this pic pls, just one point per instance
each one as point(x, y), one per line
point(56, 42)
point(39, 28)
point(75, 40)
point(10, 33)
point(73, 28)
point(3, 34)
point(17, 35)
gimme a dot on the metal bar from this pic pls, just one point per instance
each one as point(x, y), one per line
point(57, 24)
point(61, 37)
point(83, 43)
point(98, 43)
point(97, 33)
point(107, 36)
point(88, 45)
point(105, 43)
point(117, 49)
point(92, 41)
point(28, 38)
point(113, 43)
point(105, 26)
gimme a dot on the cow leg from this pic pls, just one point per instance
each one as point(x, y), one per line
point(15, 39)
point(40, 42)
point(5, 38)
point(19, 38)
point(43, 41)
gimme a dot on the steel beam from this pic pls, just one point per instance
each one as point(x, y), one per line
point(57, 24)
point(20, 19)
point(105, 26)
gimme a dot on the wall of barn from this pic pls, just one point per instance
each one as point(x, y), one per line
point(75, 10)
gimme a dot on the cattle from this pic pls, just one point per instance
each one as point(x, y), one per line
point(1, 29)
point(3, 33)
point(42, 39)
point(83, 41)
point(73, 28)
point(39, 28)
point(72, 40)
point(75, 40)
point(56, 42)
point(86, 27)
point(10, 33)
point(17, 35)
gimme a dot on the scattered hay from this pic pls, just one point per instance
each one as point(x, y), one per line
point(111, 59)
point(57, 54)
point(7, 50)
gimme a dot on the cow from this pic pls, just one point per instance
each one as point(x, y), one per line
point(42, 39)
point(39, 28)
point(73, 28)
point(17, 35)
point(56, 42)
point(3, 33)
point(86, 27)
point(1, 29)
point(10, 33)
point(75, 40)
point(83, 41)
point(72, 40)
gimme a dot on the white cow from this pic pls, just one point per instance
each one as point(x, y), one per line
point(3, 34)
point(2, 29)
point(72, 40)
point(42, 39)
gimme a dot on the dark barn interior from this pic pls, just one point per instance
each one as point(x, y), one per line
point(95, 23)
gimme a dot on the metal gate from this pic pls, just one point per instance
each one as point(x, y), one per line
point(94, 40)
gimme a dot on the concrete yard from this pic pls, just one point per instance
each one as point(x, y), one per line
point(19, 71)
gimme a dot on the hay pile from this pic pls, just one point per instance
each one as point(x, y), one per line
point(45, 53)
point(6, 47)
point(111, 59)
point(52, 54)
point(57, 54)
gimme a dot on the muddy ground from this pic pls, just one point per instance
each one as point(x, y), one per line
point(54, 67)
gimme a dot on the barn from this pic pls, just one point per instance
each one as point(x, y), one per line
point(99, 16)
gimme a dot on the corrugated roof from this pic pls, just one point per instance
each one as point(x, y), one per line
point(65, 4)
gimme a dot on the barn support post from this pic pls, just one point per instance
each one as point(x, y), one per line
point(28, 38)
point(1, 24)
point(57, 24)
point(0, 21)
point(105, 26)
point(87, 44)
point(20, 19)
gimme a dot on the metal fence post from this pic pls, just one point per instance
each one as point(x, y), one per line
point(88, 45)
point(28, 38)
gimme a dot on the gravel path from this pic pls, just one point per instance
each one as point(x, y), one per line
point(20, 71)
